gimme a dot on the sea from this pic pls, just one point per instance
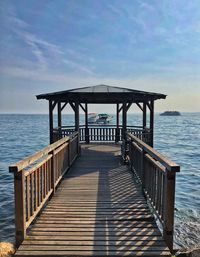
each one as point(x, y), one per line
point(177, 137)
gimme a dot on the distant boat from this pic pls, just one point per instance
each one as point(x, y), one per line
point(170, 113)
point(92, 117)
point(104, 118)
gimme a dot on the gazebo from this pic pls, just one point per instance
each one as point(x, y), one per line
point(123, 98)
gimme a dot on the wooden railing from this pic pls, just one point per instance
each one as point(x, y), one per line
point(97, 133)
point(157, 175)
point(36, 177)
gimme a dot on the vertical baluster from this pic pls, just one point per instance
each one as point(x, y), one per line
point(32, 193)
point(109, 134)
point(36, 190)
point(39, 185)
point(46, 163)
point(42, 182)
point(95, 133)
point(28, 196)
point(163, 195)
point(45, 182)
point(157, 188)
point(55, 168)
point(49, 165)
point(159, 191)
point(154, 185)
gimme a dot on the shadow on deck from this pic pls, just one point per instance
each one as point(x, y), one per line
point(98, 210)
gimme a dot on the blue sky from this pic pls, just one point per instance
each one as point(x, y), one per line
point(51, 45)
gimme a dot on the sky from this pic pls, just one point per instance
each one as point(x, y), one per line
point(52, 45)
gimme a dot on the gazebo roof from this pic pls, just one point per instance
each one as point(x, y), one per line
point(102, 94)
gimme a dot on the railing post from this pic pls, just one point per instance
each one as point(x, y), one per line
point(143, 169)
point(20, 207)
point(87, 138)
point(117, 135)
point(69, 153)
point(78, 144)
point(53, 173)
point(169, 198)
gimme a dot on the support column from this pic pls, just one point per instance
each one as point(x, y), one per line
point(117, 132)
point(59, 115)
point(144, 115)
point(124, 120)
point(59, 120)
point(152, 122)
point(51, 121)
point(76, 117)
point(87, 139)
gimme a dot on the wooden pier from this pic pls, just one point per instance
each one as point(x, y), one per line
point(97, 210)
point(97, 199)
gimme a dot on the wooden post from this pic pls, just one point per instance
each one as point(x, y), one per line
point(87, 139)
point(20, 209)
point(117, 125)
point(51, 121)
point(59, 115)
point(59, 120)
point(169, 193)
point(152, 122)
point(124, 120)
point(143, 170)
point(77, 124)
point(53, 179)
point(76, 117)
point(144, 115)
point(144, 111)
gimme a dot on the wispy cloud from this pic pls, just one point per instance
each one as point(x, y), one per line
point(78, 67)
point(115, 9)
point(147, 6)
point(41, 49)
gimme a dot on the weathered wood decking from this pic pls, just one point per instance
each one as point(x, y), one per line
point(98, 210)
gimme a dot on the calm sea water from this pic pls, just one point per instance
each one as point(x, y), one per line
point(176, 137)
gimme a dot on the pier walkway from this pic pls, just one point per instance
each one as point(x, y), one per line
point(99, 209)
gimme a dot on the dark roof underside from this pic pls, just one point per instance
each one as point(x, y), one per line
point(102, 94)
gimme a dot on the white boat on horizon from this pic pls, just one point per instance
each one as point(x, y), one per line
point(92, 117)
point(104, 118)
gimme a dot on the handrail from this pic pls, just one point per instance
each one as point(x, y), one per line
point(170, 165)
point(32, 158)
point(157, 175)
point(36, 178)
point(92, 124)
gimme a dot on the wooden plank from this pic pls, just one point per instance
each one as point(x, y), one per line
point(96, 229)
point(92, 253)
point(82, 225)
point(93, 239)
point(121, 248)
point(93, 234)
point(155, 241)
